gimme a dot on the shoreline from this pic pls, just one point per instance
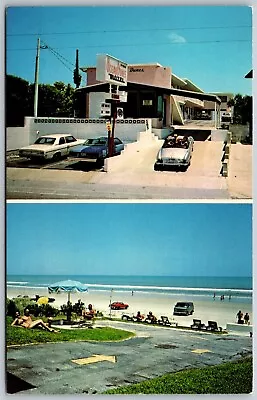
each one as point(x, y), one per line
point(206, 308)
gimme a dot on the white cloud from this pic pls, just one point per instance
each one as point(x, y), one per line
point(175, 38)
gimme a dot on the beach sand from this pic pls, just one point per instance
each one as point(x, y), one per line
point(206, 309)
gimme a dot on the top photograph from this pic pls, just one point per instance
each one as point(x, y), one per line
point(129, 102)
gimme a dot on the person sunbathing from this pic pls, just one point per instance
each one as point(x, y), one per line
point(139, 316)
point(26, 321)
point(151, 317)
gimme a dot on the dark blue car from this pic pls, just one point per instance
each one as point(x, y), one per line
point(96, 149)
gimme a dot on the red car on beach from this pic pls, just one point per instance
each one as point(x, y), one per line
point(118, 305)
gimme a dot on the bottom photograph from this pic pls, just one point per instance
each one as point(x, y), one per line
point(129, 298)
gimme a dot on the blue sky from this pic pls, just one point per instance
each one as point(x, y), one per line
point(129, 239)
point(210, 45)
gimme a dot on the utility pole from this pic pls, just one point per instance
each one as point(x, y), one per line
point(36, 78)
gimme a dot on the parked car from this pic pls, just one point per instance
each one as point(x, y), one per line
point(49, 147)
point(96, 149)
point(184, 308)
point(175, 152)
point(118, 305)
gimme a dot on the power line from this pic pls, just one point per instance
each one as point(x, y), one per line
point(130, 30)
point(143, 44)
point(58, 55)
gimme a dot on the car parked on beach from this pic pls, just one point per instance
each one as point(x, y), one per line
point(50, 147)
point(184, 308)
point(176, 151)
point(96, 150)
point(118, 305)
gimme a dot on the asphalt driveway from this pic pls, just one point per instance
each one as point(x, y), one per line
point(53, 369)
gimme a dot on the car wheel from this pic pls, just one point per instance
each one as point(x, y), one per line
point(56, 157)
point(100, 162)
point(156, 167)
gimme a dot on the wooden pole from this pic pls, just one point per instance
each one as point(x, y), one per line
point(36, 78)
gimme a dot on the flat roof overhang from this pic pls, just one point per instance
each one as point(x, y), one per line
point(104, 87)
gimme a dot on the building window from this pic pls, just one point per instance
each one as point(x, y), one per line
point(160, 107)
point(147, 102)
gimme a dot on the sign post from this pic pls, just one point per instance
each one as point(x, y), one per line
point(113, 71)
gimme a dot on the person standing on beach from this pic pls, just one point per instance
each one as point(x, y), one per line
point(247, 318)
point(214, 295)
point(240, 317)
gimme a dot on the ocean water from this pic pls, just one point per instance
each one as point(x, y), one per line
point(239, 288)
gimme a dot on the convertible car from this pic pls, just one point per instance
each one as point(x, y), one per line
point(176, 152)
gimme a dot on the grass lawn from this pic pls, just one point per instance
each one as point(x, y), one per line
point(229, 378)
point(17, 335)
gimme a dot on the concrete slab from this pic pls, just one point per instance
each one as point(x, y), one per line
point(240, 171)
point(155, 351)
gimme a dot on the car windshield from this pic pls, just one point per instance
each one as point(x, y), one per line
point(181, 305)
point(45, 140)
point(176, 143)
point(95, 142)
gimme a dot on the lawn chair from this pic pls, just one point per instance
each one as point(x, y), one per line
point(85, 324)
point(213, 326)
point(164, 321)
point(197, 324)
point(127, 317)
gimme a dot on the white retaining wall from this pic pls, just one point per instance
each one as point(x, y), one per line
point(17, 137)
point(82, 128)
point(240, 329)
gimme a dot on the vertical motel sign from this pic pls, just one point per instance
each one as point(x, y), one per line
point(115, 72)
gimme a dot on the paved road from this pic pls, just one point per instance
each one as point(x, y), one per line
point(22, 189)
point(153, 352)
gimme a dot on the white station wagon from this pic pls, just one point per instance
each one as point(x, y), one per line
point(50, 147)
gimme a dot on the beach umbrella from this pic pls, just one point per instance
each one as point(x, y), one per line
point(67, 286)
point(42, 300)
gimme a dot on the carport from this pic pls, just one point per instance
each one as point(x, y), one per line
point(144, 101)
